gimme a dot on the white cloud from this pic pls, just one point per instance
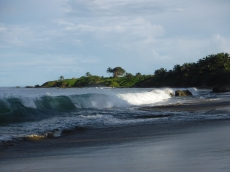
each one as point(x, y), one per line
point(74, 35)
point(116, 31)
point(2, 29)
point(12, 35)
point(220, 43)
point(45, 61)
point(120, 7)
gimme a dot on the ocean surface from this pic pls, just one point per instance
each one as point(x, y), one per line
point(29, 112)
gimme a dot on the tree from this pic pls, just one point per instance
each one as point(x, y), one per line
point(138, 75)
point(117, 71)
point(160, 72)
point(109, 70)
point(128, 76)
point(177, 69)
point(95, 79)
point(87, 74)
point(61, 78)
point(227, 64)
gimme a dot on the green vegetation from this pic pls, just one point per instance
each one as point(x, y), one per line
point(117, 71)
point(209, 71)
point(61, 78)
point(93, 80)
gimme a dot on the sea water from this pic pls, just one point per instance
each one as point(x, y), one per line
point(38, 111)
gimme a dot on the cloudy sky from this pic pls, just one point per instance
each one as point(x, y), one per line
point(40, 40)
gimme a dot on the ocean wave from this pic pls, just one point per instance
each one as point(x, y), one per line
point(21, 108)
point(49, 113)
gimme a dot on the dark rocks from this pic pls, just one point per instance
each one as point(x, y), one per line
point(183, 93)
point(34, 137)
point(29, 87)
point(171, 94)
point(219, 89)
point(37, 86)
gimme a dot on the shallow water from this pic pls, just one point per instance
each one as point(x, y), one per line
point(200, 147)
point(38, 111)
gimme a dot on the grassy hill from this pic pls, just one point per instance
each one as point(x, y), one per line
point(209, 71)
point(87, 81)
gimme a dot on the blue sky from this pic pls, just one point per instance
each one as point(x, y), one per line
point(41, 40)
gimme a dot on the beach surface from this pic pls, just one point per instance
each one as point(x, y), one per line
point(203, 146)
point(201, 106)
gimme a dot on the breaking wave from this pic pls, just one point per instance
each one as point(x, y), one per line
point(41, 113)
point(20, 109)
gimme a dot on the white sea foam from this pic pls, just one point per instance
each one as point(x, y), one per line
point(28, 102)
point(224, 108)
point(120, 98)
point(97, 116)
point(102, 98)
point(194, 91)
point(95, 107)
point(109, 120)
point(145, 98)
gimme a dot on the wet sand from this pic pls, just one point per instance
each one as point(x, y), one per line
point(203, 146)
point(193, 106)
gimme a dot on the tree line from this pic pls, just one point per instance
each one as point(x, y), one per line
point(208, 71)
point(118, 78)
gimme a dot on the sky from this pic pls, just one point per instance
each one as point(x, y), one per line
point(42, 40)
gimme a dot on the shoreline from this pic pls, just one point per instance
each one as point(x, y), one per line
point(201, 106)
point(135, 148)
point(132, 132)
point(107, 136)
point(161, 146)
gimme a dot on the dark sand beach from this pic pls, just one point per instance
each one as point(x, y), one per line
point(205, 147)
point(193, 106)
point(191, 146)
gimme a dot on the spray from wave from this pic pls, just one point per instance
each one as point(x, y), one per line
point(45, 112)
point(21, 108)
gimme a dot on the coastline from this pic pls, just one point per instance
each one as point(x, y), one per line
point(170, 147)
point(202, 144)
point(201, 106)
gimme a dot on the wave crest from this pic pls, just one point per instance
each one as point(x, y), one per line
point(22, 109)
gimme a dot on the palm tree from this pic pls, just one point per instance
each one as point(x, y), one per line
point(61, 78)
point(109, 70)
point(87, 74)
point(117, 71)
